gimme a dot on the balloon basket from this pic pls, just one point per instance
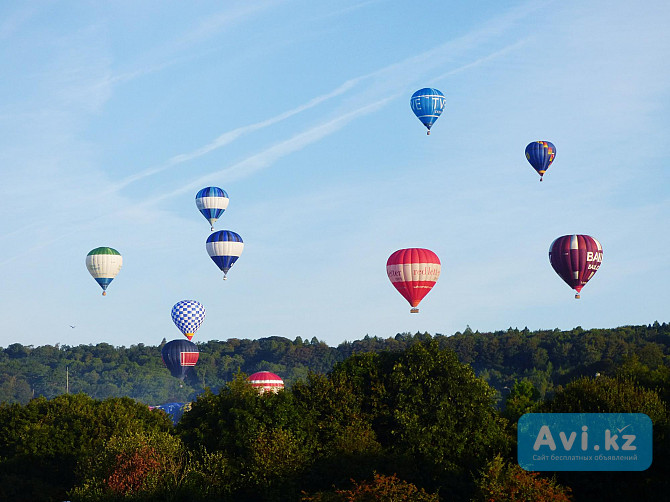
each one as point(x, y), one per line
point(414, 310)
point(104, 293)
point(577, 297)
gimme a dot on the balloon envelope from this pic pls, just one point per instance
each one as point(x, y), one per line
point(103, 264)
point(188, 315)
point(178, 356)
point(575, 258)
point(413, 272)
point(224, 248)
point(266, 381)
point(427, 104)
point(540, 154)
point(211, 202)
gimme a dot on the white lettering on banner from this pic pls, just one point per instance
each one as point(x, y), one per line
point(567, 443)
point(610, 441)
point(544, 438)
point(628, 445)
point(615, 457)
point(591, 256)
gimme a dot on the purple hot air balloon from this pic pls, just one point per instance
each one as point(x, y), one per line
point(576, 258)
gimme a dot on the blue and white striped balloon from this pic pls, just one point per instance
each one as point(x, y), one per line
point(188, 315)
point(211, 202)
point(224, 248)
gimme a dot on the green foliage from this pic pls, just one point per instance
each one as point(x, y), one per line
point(420, 413)
point(151, 466)
point(408, 408)
point(443, 415)
point(607, 395)
point(547, 358)
point(523, 398)
point(502, 481)
point(612, 395)
point(43, 442)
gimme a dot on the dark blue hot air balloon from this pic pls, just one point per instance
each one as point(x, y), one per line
point(178, 356)
point(427, 104)
point(540, 154)
point(224, 248)
point(211, 202)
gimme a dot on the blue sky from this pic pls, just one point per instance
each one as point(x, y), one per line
point(114, 114)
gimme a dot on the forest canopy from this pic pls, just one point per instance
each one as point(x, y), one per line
point(547, 358)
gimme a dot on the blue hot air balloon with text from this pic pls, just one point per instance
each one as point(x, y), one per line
point(428, 104)
point(224, 248)
point(540, 154)
point(211, 202)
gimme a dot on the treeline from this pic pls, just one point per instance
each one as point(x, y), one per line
point(546, 358)
point(404, 425)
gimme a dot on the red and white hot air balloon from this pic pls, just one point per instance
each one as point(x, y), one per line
point(413, 272)
point(575, 258)
point(266, 381)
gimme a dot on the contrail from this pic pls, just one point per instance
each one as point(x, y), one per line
point(230, 136)
point(267, 157)
point(427, 59)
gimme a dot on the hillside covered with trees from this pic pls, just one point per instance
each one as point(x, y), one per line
point(409, 424)
point(545, 358)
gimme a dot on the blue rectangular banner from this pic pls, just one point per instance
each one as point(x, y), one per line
point(584, 441)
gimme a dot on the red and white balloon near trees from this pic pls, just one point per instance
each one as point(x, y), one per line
point(413, 272)
point(576, 258)
point(265, 381)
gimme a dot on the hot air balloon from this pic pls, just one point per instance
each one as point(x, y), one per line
point(211, 202)
point(427, 104)
point(103, 264)
point(178, 356)
point(224, 248)
point(413, 272)
point(265, 381)
point(540, 154)
point(174, 410)
point(575, 258)
point(188, 315)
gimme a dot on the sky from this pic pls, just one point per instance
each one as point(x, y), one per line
point(114, 114)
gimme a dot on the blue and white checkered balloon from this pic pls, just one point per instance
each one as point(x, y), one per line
point(188, 315)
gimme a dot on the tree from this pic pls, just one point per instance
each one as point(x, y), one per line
point(380, 489)
point(523, 398)
point(43, 443)
point(611, 395)
point(434, 419)
point(151, 465)
point(501, 481)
